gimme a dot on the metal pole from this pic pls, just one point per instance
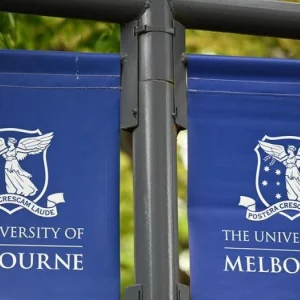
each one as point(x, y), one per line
point(154, 158)
point(256, 17)
point(116, 11)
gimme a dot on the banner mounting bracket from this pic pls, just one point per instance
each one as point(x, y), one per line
point(183, 292)
point(129, 76)
point(180, 74)
point(134, 292)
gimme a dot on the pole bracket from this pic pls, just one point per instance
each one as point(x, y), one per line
point(180, 77)
point(183, 292)
point(134, 292)
point(129, 77)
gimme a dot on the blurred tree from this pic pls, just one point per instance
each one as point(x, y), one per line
point(43, 33)
point(7, 30)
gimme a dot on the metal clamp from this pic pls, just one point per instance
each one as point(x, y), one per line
point(129, 77)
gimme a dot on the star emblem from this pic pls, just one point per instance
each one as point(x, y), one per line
point(265, 183)
point(278, 172)
point(267, 169)
point(278, 196)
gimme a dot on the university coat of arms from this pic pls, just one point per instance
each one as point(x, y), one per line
point(277, 179)
point(19, 186)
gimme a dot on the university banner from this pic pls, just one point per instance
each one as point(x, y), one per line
point(244, 178)
point(59, 175)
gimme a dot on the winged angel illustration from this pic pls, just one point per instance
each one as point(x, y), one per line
point(291, 160)
point(18, 180)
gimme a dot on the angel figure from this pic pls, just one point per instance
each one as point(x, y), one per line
point(17, 180)
point(291, 161)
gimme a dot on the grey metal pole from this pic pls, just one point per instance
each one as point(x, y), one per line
point(154, 158)
point(116, 11)
point(256, 17)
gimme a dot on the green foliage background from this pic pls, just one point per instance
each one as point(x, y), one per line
point(44, 33)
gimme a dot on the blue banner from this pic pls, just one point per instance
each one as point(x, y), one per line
point(59, 175)
point(244, 178)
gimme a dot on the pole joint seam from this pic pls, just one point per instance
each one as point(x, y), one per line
point(146, 29)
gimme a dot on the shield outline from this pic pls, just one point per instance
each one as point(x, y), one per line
point(37, 131)
point(264, 201)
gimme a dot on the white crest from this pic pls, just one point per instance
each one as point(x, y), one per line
point(277, 179)
point(276, 152)
point(35, 143)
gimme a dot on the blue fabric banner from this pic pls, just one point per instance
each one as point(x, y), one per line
point(59, 176)
point(244, 179)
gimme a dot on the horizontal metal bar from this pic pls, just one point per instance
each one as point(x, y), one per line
point(115, 11)
point(255, 17)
